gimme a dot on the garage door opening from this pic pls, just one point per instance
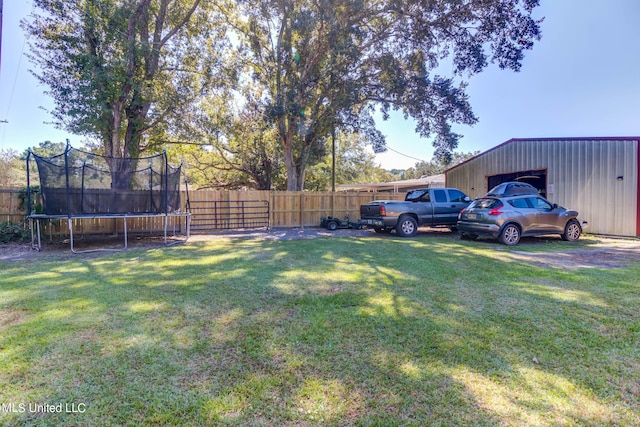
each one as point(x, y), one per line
point(537, 178)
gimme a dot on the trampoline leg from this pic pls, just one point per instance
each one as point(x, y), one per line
point(33, 237)
point(125, 233)
point(70, 223)
point(97, 250)
point(33, 246)
point(38, 228)
point(166, 226)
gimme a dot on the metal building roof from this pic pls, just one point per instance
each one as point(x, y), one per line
point(516, 140)
point(396, 186)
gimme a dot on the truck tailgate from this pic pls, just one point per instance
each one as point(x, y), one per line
point(371, 210)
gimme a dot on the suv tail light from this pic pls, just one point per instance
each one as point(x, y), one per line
point(383, 211)
point(495, 211)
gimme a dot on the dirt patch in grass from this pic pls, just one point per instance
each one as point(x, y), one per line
point(60, 249)
point(11, 317)
point(604, 253)
point(590, 252)
point(15, 251)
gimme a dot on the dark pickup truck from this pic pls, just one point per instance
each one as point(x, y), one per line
point(423, 207)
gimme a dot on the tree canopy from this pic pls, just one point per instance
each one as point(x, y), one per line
point(131, 73)
point(122, 72)
point(12, 170)
point(437, 165)
point(330, 63)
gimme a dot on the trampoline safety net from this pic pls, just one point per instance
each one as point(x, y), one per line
point(78, 183)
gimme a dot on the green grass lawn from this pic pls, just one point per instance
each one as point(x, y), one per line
point(341, 331)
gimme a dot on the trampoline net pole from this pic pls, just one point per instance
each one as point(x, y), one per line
point(66, 170)
point(28, 184)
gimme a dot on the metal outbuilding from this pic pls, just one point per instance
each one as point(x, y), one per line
point(598, 177)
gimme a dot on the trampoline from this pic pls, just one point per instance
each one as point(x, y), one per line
point(77, 185)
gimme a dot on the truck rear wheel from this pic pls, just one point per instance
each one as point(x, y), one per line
point(407, 226)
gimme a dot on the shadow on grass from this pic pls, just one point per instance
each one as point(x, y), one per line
point(324, 331)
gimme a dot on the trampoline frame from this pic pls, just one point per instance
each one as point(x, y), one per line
point(36, 242)
point(71, 214)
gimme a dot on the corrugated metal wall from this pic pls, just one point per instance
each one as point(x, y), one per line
point(582, 174)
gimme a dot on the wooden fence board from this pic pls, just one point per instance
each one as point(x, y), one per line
point(10, 210)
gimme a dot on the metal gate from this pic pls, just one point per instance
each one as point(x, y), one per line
point(215, 215)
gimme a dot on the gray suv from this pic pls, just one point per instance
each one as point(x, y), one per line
point(515, 209)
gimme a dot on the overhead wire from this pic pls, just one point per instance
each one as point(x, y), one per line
point(15, 81)
point(406, 155)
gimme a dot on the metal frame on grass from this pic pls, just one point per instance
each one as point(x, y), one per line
point(36, 241)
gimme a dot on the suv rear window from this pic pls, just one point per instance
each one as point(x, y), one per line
point(488, 203)
point(512, 189)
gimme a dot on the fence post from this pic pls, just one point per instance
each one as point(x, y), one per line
point(333, 202)
point(302, 209)
point(11, 207)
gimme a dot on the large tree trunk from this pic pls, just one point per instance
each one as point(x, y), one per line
point(117, 157)
point(295, 162)
point(121, 173)
point(293, 182)
point(297, 150)
point(295, 174)
point(129, 119)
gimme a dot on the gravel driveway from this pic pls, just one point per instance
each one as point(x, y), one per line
point(591, 252)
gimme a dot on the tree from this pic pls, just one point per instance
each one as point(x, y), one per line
point(12, 169)
point(252, 150)
point(229, 148)
point(330, 63)
point(437, 166)
point(121, 71)
point(354, 165)
point(237, 150)
point(46, 149)
point(423, 169)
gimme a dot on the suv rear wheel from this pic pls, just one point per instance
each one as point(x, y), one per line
point(572, 231)
point(510, 235)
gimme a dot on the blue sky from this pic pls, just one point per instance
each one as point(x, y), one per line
point(581, 79)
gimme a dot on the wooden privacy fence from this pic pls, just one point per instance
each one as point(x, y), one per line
point(286, 209)
point(298, 208)
point(10, 209)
